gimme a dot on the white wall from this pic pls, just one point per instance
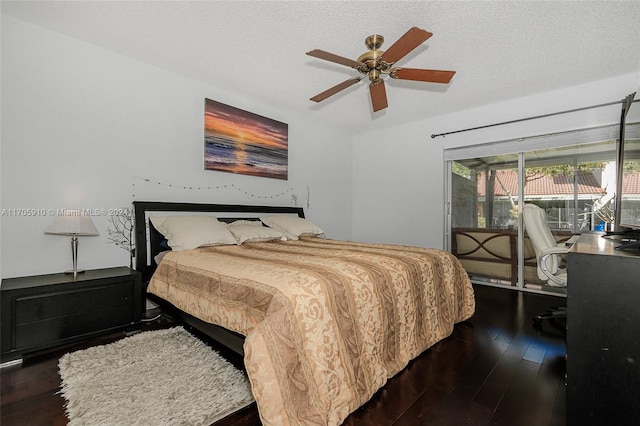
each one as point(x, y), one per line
point(397, 186)
point(398, 174)
point(83, 126)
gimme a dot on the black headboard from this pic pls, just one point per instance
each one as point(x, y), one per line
point(141, 208)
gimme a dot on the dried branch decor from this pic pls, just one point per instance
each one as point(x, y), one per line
point(122, 232)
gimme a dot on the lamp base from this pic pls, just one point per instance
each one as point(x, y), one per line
point(74, 253)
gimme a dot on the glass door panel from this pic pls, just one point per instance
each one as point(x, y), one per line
point(573, 185)
point(484, 217)
point(630, 194)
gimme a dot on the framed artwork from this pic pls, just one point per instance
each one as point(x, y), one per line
point(238, 141)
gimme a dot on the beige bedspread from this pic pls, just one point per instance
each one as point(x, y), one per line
point(326, 322)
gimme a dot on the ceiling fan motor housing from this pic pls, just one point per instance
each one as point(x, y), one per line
point(371, 59)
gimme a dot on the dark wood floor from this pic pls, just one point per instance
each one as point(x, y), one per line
point(495, 369)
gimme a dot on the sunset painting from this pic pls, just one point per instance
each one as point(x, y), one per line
point(238, 141)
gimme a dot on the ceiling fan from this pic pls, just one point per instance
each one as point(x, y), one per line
point(375, 63)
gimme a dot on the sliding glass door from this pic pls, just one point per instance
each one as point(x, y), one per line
point(574, 184)
point(484, 216)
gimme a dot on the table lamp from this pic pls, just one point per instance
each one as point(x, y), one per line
point(74, 223)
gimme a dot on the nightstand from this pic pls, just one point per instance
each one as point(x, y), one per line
point(44, 311)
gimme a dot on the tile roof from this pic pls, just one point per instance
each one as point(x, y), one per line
point(631, 183)
point(506, 183)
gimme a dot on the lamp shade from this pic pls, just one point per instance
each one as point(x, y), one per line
point(72, 222)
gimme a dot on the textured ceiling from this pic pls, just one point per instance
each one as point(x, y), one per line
point(500, 50)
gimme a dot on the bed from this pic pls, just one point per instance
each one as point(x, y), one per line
point(322, 324)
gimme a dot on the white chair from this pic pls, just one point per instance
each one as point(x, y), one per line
point(548, 254)
point(548, 251)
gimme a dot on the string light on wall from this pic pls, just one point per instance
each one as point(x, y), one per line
point(210, 188)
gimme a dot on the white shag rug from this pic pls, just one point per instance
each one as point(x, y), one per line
point(163, 377)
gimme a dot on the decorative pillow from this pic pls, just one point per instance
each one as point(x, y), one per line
point(254, 233)
point(292, 226)
point(245, 222)
point(189, 232)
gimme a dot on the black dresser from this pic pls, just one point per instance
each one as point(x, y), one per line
point(44, 311)
point(603, 334)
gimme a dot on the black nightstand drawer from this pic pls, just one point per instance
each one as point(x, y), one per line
point(60, 303)
point(44, 311)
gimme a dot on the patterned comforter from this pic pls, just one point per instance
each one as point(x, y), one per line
point(326, 322)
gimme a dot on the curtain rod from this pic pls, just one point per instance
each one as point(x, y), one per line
point(532, 118)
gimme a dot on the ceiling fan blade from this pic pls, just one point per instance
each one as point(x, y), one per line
point(335, 89)
point(431, 76)
point(378, 95)
point(321, 54)
point(405, 44)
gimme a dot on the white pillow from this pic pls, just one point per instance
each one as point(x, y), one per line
point(292, 226)
point(245, 222)
point(254, 233)
point(189, 232)
point(157, 221)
